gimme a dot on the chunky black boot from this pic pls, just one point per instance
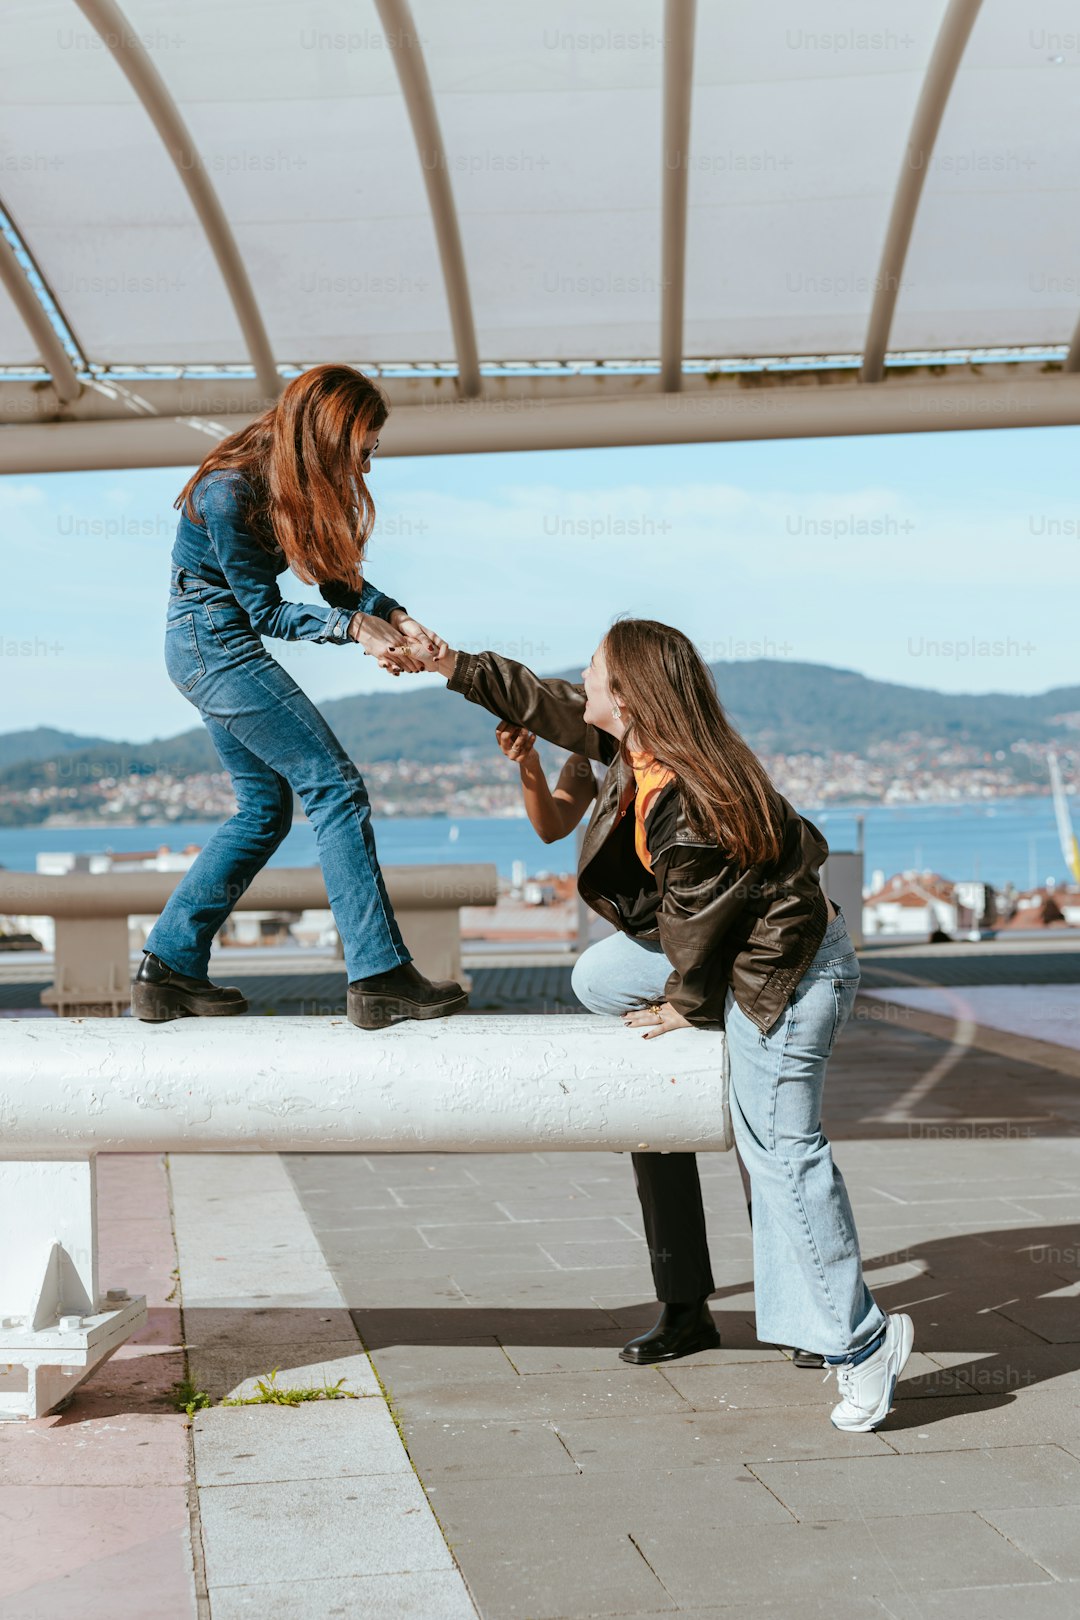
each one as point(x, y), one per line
point(680, 1330)
point(159, 993)
point(402, 992)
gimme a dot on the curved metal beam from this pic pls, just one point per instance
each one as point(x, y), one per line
point(35, 317)
point(404, 42)
point(948, 49)
point(127, 50)
point(679, 17)
point(1071, 361)
point(718, 414)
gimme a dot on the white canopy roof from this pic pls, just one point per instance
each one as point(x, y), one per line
point(578, 204)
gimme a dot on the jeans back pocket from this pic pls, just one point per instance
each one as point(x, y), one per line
point(183, 660)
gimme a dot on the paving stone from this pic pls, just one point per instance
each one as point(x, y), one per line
point(522, 1324)
point(836, 1608)
point(1049, 1535)
point(1010, 1371)
point(406, 1369)
point(537, 1577)
point(384, 1293)
point(684, 1440)
point(148, 1578)
point(954, 1321)
point(222, 1326)
point(433, 1594)
point(567, 1204)
point(479, 1449)
point(556, 1396)
point(1049, 1601)
point(1056, 1320)
point(941, 1482)
point(479, 1234)
point(319, 1440)
point(267, 1531)
point(234, 1371)
point(594, 1353)
point(1034, 1417)
point(628, 1503)
point(417, 1271)
point(327, 1528)
point(132, 1448)
point(622, 1254)
point(767, 1383)
point(59, 1533)
point(698, 1563)
point(419, 1199)
point(559, 1289)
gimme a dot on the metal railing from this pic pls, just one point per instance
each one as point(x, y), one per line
point(91, 910)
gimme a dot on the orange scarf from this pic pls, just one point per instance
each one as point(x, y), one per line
point(650, 778)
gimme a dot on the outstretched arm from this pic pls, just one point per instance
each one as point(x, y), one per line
point(553, 709)
point(554, 812)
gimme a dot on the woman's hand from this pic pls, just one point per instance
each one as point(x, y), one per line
point(384, 642)
point(516, 742)
point(441, 662)
point(660, 1018)
point(427, 646)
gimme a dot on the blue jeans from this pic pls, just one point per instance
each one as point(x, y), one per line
point(272, 740)
point(808, 1283)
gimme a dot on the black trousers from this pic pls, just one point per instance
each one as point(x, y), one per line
point(669, 1189)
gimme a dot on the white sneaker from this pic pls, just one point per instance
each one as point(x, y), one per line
point(867, 1390)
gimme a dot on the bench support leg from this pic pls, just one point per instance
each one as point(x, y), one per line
point(55, 1324)
point(91, 965)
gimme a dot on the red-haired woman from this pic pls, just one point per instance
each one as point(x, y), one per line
point(710, 879)
point(287, 491)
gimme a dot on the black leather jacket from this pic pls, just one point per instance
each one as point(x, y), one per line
point(757, 928)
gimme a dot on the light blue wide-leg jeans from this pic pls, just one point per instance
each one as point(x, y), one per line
point(808, 1283)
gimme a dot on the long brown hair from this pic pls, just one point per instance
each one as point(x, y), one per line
point(302, 463)
point(670, 704)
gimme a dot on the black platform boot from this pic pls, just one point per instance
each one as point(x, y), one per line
point(159, 993)
point(680, 1330)
point(402, 992)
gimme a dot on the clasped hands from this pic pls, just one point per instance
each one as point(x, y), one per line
point(403, 644)
point(400, 644)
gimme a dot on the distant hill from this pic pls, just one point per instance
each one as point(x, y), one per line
point(789, 708)
point(780, 706)
point(44, 742)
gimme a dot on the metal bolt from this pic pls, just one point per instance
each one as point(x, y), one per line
point(69, 1324)
point(116, 1296)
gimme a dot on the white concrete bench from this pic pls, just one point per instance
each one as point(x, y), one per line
point(91, 910)
point(71, 1088)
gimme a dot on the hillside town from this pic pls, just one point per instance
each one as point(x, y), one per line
point(909, 769)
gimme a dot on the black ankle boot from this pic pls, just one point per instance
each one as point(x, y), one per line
point(680, 1330)
point(402, 992)
point(159, 993)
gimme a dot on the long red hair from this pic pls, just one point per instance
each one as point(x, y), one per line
point(302, 462)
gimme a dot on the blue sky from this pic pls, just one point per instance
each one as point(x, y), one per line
point(936, 560)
